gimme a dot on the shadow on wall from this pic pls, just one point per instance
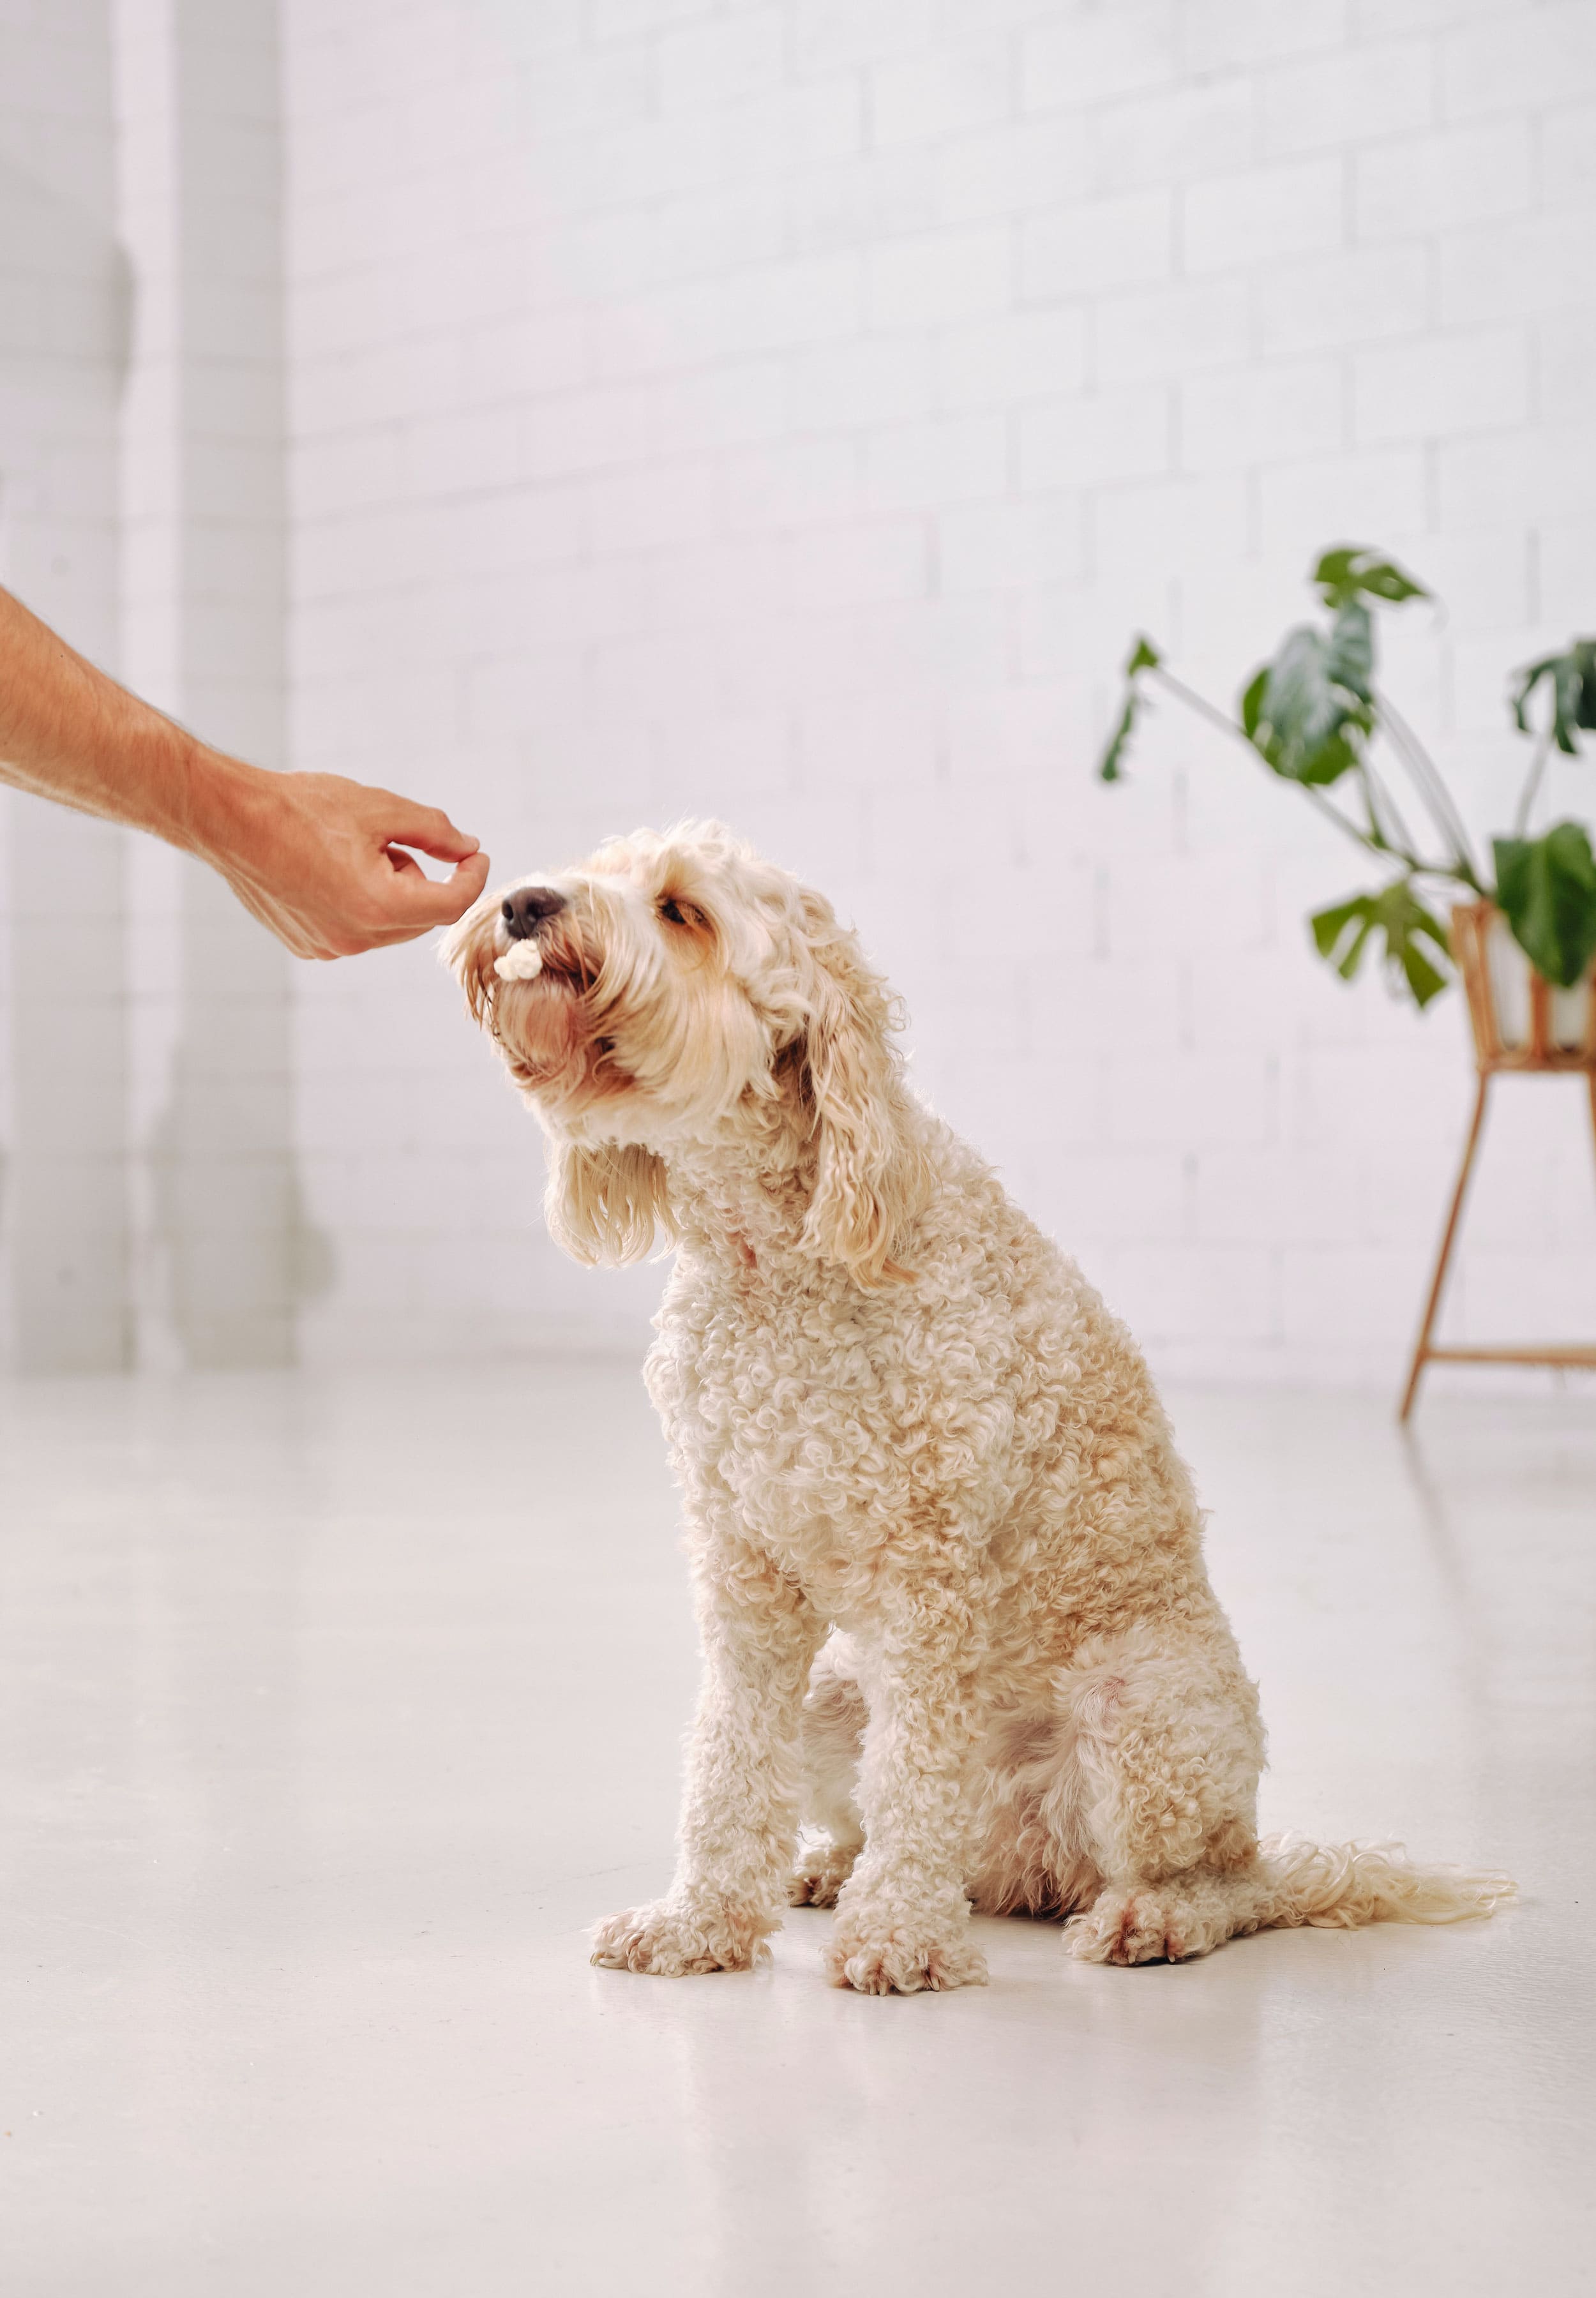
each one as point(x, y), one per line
point(236, 1254)
point(69, 286)
point(64, 329)
point(239, 1257)
point(65, 1206)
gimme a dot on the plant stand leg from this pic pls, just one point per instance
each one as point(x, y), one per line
point(1421, 1350)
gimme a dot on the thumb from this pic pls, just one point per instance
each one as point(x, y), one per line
point(414, 899)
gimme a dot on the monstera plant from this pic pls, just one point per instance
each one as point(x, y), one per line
point(1315, 715)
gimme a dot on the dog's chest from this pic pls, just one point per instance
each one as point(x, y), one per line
point(830, 1422)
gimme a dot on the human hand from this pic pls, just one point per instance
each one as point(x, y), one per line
point(318, 860)
point(322, 861)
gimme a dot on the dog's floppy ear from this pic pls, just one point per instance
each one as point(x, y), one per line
point(870, 1180)
point(604, 1201)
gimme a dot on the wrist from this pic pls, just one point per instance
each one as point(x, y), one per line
point(223, 805)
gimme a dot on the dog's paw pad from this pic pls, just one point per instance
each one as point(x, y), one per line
point(676, 1942)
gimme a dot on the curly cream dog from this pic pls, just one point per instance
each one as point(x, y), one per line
point(948, 1565)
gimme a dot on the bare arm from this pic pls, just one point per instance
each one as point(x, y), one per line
point(316, 858)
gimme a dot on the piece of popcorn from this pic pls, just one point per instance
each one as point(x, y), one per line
point(521, 961)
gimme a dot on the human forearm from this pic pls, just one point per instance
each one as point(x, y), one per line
point(320, 861)
point(69, 733)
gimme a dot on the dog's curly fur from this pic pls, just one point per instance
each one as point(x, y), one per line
point(948, 1565)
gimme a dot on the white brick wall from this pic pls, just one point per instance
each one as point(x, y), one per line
point(149, 1211)
point(218, 1237)
point(64, 1303)
point(787, 412)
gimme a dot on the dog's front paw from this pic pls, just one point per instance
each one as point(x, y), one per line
point(672, 1938)
point(819, 1875)
point(1131, 1927)
point(877, 1953)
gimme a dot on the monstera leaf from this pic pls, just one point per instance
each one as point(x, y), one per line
point(1350, 662)
point(1143, 655)
point(1342, 935)
point(1572, 678)
point(1349, 573)
point(1307, 712)
point(1546, 889)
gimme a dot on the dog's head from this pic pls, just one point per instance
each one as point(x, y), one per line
point(689, 992)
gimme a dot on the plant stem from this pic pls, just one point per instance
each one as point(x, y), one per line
point(1377, 797)
point(1533, 783)
point(1430, 784)
point(1205, 709)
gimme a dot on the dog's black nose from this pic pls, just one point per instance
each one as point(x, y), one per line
point(525, 909)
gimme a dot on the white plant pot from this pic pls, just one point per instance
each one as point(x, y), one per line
point(1520, 1020)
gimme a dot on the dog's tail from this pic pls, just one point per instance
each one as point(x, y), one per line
point(1342, 1886)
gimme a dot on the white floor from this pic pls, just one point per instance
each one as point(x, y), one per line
point(334, 1711)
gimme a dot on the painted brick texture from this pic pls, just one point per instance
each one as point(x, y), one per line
point(786, 412)
point(63, 1135)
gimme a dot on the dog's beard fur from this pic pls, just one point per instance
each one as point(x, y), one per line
point(747, 1019)
point(547, 1028)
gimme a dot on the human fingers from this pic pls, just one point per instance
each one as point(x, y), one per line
point(405, 907)
point(412, 901)
point(397, 906)
point(427, 828)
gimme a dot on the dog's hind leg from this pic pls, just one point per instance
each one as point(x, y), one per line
point(833, 1738)
point(1289, 1881)
point(1167, 1747)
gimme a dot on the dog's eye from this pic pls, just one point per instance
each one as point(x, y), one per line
point(680, 914)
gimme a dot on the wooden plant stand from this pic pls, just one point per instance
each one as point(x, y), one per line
point(1555, 1036)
